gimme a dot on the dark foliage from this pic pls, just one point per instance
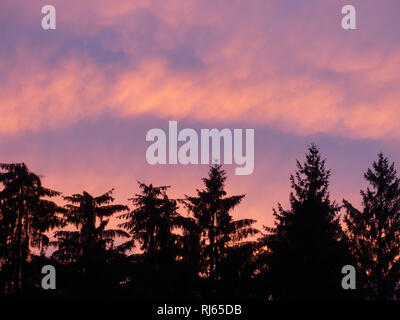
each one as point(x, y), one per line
point(306, 250)
point(26, 214)
point(374, 232)
point(156, 252)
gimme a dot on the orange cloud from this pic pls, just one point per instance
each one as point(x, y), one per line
point(294, 80)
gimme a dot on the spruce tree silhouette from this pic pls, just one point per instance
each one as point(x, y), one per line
point(304, 252)
point(219, 233)
point(26, 215)
point(374, 232)
point(207, 253)
point(92, 246)
point(151, 224)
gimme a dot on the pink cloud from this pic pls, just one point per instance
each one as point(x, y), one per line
point(293, 78)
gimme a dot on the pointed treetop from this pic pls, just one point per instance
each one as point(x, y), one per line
point(311, 179)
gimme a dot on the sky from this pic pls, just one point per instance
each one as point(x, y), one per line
point(76, 102)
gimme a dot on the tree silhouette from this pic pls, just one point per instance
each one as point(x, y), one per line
point(151, 222)
point(92, 244)
point(206, 253)
point(91, 216)
point(155, 224)
point(218, 230)
point(374, 232)
point(304, 254)
point(26, 215)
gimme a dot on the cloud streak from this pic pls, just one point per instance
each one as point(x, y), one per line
point(76, 103)
point(266, 63)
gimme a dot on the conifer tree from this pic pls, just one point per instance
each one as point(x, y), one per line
point(374, 232)
point(90, 215)
point(218, 230)
point(26, 214)
point(305, 251)
point(157, 227)
point(152, 221)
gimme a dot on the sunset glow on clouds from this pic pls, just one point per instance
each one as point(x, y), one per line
point(285, 68)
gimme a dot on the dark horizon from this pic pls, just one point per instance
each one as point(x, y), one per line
point(175, 247)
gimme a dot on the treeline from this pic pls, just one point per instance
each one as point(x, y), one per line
point(203, 253)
